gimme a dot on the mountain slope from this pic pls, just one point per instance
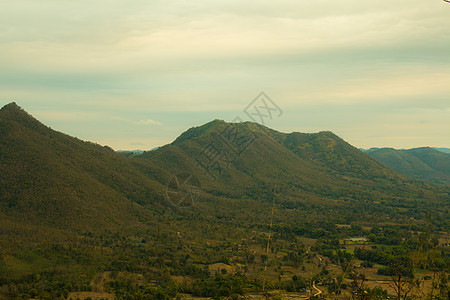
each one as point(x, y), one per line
point(52, 179)
point(47, 177)
point(320, 168)
point(445, 150)
point(76, 216)
point(422, 163)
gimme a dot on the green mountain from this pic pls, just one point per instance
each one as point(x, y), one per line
point(76, 216)
point(52, 179)
point(320, 165)
point(425, 163)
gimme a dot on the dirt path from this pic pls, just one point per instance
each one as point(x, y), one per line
point(316, 294)
point(318, 291)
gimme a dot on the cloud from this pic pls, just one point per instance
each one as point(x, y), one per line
point(185, 59)
point(66, 115)
point(149, 122)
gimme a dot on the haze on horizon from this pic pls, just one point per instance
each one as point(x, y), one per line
point(135, 75)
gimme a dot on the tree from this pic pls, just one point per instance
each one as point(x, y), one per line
point(264, 258)
point(401, 284)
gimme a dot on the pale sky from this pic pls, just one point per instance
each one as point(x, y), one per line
point(135, 74)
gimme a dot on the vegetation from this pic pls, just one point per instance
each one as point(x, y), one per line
point(77, 218)
point(421, 163)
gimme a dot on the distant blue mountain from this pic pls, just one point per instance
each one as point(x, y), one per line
point(128, 153)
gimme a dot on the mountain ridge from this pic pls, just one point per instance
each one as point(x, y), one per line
point(319, 166)
point(423, 163)
point(73, 212)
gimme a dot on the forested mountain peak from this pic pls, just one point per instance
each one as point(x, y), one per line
point(12, 109)
point(14, 113)
point(47, 177)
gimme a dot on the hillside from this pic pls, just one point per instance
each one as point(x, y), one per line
point(49, 178)
point(445, 150)
point(421, 163)
point(78, 217)
point(318, 166)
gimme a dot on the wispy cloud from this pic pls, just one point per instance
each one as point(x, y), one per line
point(149, 122)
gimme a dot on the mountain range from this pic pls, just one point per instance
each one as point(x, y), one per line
point(424, 163)
point(51, 178)
point(215, 183)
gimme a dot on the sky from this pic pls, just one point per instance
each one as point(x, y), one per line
point(136, 74)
